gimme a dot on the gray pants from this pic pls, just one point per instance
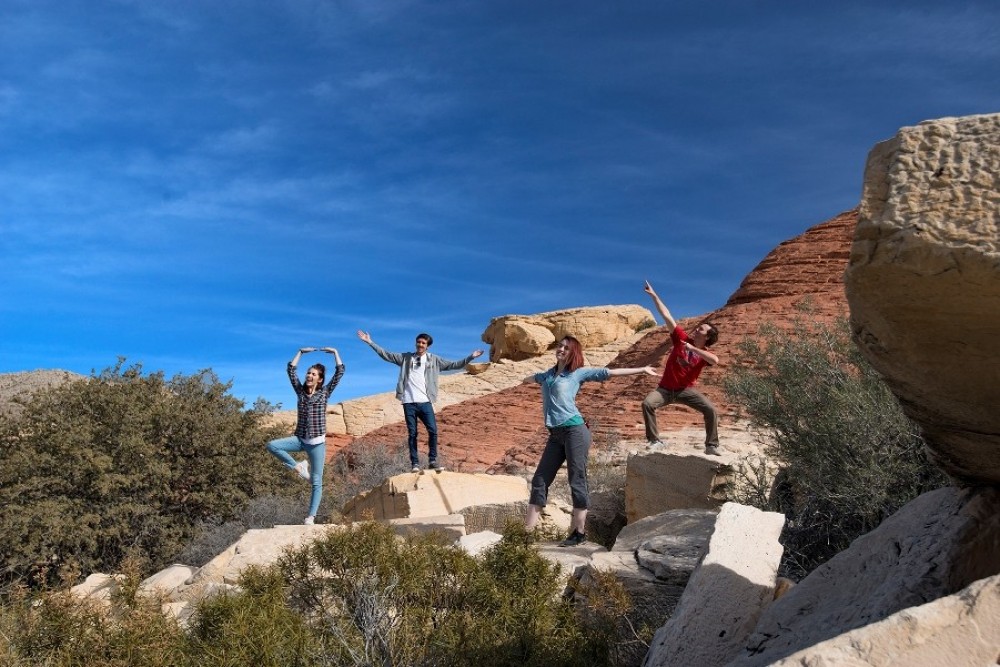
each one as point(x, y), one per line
point(689, 397)
point(572, 445)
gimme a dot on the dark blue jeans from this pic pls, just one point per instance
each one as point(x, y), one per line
point(425, 413)
point(572, 445)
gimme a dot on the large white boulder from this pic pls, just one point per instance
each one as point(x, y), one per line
point(722, 601)
point(933, 547)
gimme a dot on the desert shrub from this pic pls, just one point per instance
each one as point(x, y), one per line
point(122, 461)
point(358, 596)
point(377, 599)
point(55, 629)
point(848, 456)
point(253, 627)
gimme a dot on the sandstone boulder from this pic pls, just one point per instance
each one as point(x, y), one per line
point(476, 543)
point(933, 547)
point(261, 546)
point(522, 336)
point(656, 482)
point(572, 561)
point(413, 495)
point(923, 284)
point(725, 596)
point(957, 630)
point(451, 527)
point(167, 580)
point(98, 587)
point(653, 559)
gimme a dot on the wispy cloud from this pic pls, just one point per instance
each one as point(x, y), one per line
point(203, 185)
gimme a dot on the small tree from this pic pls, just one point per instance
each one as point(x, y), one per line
point(848, 456)
point(93, 469)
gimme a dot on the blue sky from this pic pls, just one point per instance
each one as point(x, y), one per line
point(212, 184)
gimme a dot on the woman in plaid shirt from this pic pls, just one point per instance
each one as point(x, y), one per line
point(310, 427)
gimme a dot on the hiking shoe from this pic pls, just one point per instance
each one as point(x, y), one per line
point(576, 538)
point(655, 444)
point(415, 469)
point(310, 520)
point(435, 466)
point(302, 469)
point(713, 450)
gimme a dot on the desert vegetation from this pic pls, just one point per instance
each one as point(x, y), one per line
point(842, 456)
point(123, 463)
point(358, 596)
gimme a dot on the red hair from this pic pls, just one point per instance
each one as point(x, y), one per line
point(575, 353)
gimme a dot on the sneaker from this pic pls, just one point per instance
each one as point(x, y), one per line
point(310, 520)
point(713, 450)
point(415, 469)
point(302, 469)
point(435, 466)
point(655, 444)
point(575, 538)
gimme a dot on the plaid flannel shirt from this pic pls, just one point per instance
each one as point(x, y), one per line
point(311, 422)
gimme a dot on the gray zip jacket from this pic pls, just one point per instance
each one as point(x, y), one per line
point(433, 365)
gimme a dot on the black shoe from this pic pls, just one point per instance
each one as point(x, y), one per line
point(576, 538)
point(435, 466)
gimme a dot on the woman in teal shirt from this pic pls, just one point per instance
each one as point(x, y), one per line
point(569, 439)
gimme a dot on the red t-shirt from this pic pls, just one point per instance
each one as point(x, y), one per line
point(683, 366)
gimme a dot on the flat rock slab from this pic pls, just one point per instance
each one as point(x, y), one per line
point(933, 547)
point(725, 595)
point(957, 630)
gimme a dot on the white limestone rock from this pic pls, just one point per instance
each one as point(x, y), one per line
point(960, 630)
point(933, 547)
point(476, 543)
point(725, 595)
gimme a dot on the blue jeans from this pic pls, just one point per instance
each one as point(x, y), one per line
point(425, 413)
point(317, 457)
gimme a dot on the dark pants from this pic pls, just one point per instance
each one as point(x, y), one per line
point(425, 413)
point(689, 397)
point(572, 445)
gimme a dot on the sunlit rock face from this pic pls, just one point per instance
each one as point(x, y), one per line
point(923, 284)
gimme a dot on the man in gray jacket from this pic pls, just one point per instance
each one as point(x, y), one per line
point(417, 389)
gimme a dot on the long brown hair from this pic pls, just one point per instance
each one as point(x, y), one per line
point(575, 353)
point(322, 373)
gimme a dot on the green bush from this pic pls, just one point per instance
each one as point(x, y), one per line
point(123, 461)
point(847, 454)
point(56, 629)
point(377, 599)
point(358, 596)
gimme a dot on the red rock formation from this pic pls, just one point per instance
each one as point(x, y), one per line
point(504, 430)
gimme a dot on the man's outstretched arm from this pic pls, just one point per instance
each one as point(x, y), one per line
point(660, 306)
point(391, 357)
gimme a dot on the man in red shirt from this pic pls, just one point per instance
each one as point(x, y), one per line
point(684, 363)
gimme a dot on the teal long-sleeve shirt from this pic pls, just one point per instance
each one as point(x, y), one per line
point(559, 392)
